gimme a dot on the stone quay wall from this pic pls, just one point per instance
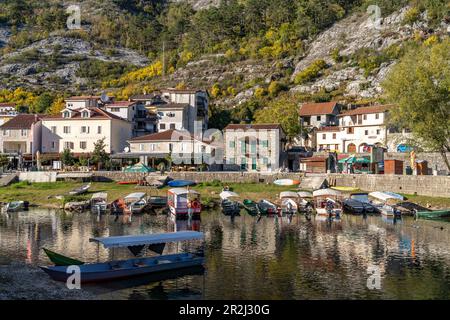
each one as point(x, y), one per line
point(436, 186)
point(434, 160)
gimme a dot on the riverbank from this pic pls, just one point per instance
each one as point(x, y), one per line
point(46, 194)
point(24, 282)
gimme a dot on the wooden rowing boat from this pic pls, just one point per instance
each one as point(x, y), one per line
point(432, 215)
point(60, 260)
point(251, 207)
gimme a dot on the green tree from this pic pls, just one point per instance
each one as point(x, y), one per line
point(66, 157)
point(283, 111)
point(419, 86)
point(99, 155)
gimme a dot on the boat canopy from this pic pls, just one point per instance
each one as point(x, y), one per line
point(148, 239)
point(288, 194)
point(384, 196)
point(326, 192)
point(100, 195)
point(304, 194)
point(180, 191)
point(136, 195)
point(228, 194)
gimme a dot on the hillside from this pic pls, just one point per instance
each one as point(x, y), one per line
point(320, 50)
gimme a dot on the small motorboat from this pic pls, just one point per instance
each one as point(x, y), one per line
point(286, 182)
point(136, 202)
point(80, 190)
point(328, 202)
point(230, 205)
point(180, 183)
point(60, 260)
point(305, 203)
point(267, 207)
point(15, 206)
point(353, 206)
point(289, 202)
point(99, 202)
point(389, 211)
point(432, 215)
point(157, 202)
point(251, 207)
point(77, 206)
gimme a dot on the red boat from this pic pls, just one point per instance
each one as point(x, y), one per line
point(127, 182)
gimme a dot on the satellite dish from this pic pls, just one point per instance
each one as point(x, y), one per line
point(104, 97)
point(126, 150)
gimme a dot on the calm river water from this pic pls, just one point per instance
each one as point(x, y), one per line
point(273, 258)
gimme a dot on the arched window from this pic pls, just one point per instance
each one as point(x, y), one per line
point(351, 148)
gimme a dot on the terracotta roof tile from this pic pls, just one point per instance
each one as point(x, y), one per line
point(21, 121)
point(309, 109)
point(96, 113)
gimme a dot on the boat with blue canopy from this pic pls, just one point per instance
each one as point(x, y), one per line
point(137, 244)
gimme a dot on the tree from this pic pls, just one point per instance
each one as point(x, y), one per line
point(284, 111)
point(419, 86)
point(99, 155)
point(67, 157)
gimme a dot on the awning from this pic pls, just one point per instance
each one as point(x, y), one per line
point(140, 168)
point(354, 159)
point(148, 239)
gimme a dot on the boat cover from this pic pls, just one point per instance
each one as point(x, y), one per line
point(148, 239)
point(228, 194)
point(326, 192)
point(304, 194)
point(136, 195)
point(288, 194)
point(384, 196)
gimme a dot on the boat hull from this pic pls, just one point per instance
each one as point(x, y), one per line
point(105, 272)
point(60, 260)
point(433, 215)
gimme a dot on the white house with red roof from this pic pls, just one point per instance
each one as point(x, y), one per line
point(79, 129)
point(21, 135)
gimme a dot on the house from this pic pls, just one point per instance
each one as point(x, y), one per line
point(143, 121)
point(7, 112)
point(177, 109)
point(79, 102)
point(330, 139)
point(313, 116)
point(21, 136)
point(254, 147)
point(181, 146)
point(363, 127)
point(79, 129)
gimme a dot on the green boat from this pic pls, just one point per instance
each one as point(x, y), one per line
point(438, 214)
point(251, 207)
point(60, 260)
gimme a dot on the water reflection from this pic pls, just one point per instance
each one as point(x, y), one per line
point(289, 257)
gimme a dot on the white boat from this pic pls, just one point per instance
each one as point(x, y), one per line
point(80, 190)
point(228, 194)
point(389, 211)
point(289, 202)
point(112, 270)
point(385, 196)
point(136, 202)
point(99, 202)
point(183, 202)
point(328, 202)
point(305, 203)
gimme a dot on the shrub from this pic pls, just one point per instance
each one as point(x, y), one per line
point(311, 72)
point(411, 16)
point(275, 88)
point(260, 92)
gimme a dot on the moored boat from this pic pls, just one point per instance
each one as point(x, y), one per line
point(112, 270)
point(389, 211)
point(118, 206)
point(136, 202)
point(60, 260)
point(286, 182)
point(99, 202)
point(157, 202)
point(180, 183)
point(184, 202)
point(305, 201)
point(432, 215)
point(267, 207)
point(328, 202)
point(229, 203)
point(289, 202)
point(15, 206)
point(80, 190)
point(251, 207)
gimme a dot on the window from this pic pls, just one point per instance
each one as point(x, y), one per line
point(253, 163)
point(6, 133)
point(243, 147)
point(24, 132)
point(265, 143)
point(66, 114)
point(336, 147)
point(85, 114)
point(162, 126)
point(324, 136)
point(152, 147)
point(84, 129)
point(99, 129)
point(318, 118)
point(378, 131)
point(365, 117)
point(141, 147)
point(253, 147)
point(53, 129)
point(265, 161)
point(243, 164)
point(366, 132)
point(66, 129)
point(70, 105)
point(115, 109)
point(83, 145)
point(350, 130)
point(53, 145)
point(232, 144)
point(170, 147)
point(172, 126)
point(68, 145)
point(377, 116)
point(334, 135)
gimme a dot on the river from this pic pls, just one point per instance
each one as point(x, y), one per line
point(273, 258)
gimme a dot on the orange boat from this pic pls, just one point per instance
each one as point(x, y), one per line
point(119, 207)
